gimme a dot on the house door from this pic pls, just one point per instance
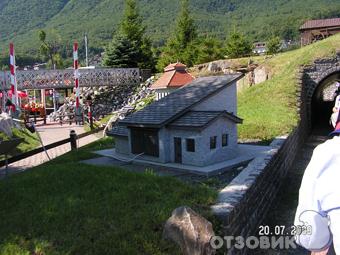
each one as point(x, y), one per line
point(145, 141)
point(178, 149)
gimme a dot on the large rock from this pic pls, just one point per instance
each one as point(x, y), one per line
point(260, 75)
point(6, 124)
point(214, 67)
point(190, 231)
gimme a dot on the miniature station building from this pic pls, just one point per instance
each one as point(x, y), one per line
point(174, 77)
point(195, 125)
point(315, 30)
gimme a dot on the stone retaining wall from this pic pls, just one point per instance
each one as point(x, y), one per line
point(6, 124)
point(243, 204)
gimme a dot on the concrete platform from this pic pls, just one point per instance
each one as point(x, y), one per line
point(246, 154)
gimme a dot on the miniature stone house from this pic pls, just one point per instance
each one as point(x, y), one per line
point(174, 77)
point(195, 125)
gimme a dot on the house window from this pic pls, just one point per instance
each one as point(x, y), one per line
point(224, 140)
point(213, 140)
point(191, 145)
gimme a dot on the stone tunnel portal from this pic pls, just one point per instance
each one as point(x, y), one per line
point(323, 102)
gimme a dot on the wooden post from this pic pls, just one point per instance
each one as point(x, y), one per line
point(73, 140)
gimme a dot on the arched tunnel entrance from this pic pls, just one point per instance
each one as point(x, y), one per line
point(323, 103)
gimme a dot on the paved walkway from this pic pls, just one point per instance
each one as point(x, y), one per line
point(50, 134)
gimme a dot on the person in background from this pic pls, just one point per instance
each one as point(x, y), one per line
point(10, 106)
point(318, 213)
point(336, 108)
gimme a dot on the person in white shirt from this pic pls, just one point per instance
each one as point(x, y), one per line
point(336, 108)
point(318, 213)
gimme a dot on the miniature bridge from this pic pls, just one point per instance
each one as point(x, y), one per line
point(53, 79)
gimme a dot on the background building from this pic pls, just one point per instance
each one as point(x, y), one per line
point(174, 77)
point(315, 30)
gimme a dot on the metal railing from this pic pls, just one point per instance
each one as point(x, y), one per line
point(51, 79)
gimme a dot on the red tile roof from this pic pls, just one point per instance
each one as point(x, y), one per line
point(177, 66)
point(320, 23)
point(174, 76)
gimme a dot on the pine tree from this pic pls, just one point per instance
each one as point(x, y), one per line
point(185, 30)
point(209, 49)
point(121, 53)
point(130, 47)
point(186, 46)
point(131, 25)
point(273, 45)
point(237, 46)
point(180, 46)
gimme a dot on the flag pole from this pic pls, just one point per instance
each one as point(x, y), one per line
point(14, 87)
point(76, 77)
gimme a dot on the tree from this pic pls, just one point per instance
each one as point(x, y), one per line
point(185, 31)
point(50, 48)
point(273, 45)
point(121, 53)
point(130, 47)
point(131, 25)
point(209, 49)
point(180, 46)
point(237, 46)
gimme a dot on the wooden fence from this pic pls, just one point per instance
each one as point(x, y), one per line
point(72, 140)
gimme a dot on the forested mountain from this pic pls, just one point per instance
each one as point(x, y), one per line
point(70, 19)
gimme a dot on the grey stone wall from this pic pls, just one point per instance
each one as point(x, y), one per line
point(203, 155)
point(122, 144)
point(188, 158)
point(225, 100)
point(217, 128)
point(243, 204)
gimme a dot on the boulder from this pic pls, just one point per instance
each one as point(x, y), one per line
point(190, 231)
point(6, 124)
point(260, 75)
point(214, 67)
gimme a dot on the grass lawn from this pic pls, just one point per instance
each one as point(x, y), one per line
point(65, 207)
point(30, 140)
point(269, 109)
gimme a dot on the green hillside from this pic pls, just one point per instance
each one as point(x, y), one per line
point(269, 108)
point(21, 19)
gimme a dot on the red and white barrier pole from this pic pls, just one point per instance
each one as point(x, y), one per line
point(14, 88)
point(76, 73)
